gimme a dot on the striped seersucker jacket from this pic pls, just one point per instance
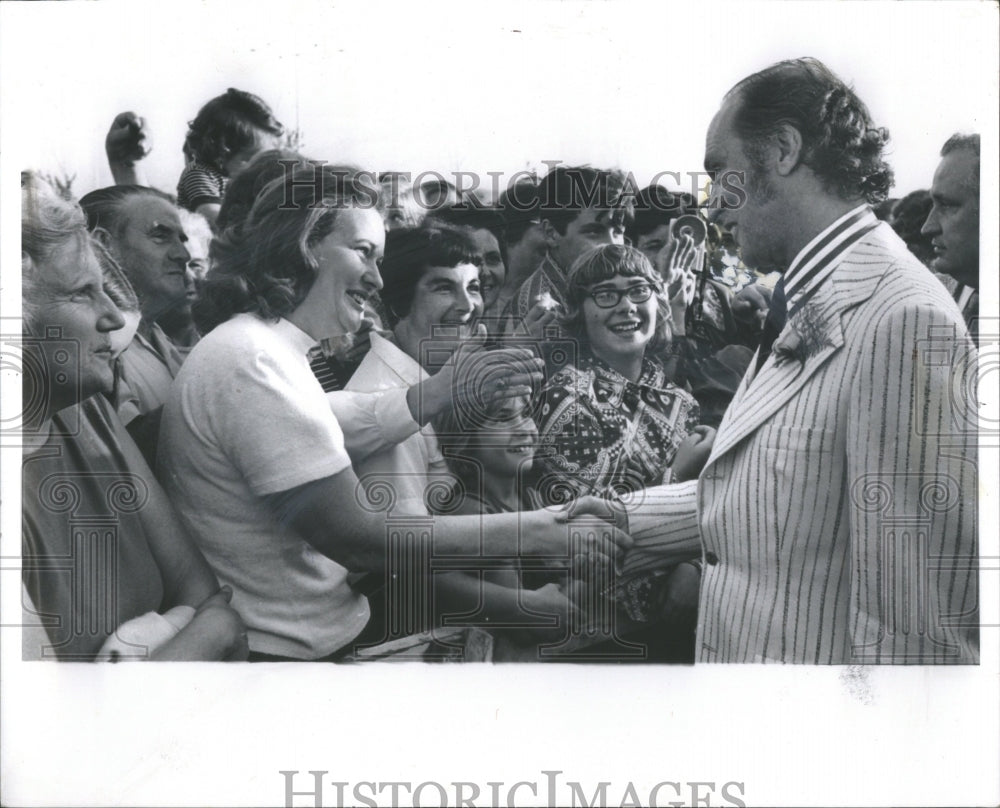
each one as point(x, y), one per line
point(836, 515)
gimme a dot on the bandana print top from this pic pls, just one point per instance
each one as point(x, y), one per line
point(601, 434)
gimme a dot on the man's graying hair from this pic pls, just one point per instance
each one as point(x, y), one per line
point(840, 143)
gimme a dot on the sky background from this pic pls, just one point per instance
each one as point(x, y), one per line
point(474, 87)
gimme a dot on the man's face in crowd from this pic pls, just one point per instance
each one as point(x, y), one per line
point(953, 223)
point(492, 272)
point(593, 227)
point(650, 244)
point(151, 249)
point(524, 257)
point(755, 223)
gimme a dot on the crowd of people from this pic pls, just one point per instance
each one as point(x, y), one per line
point(304, 411)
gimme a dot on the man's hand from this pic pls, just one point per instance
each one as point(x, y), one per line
point(750, 306)
point(128, 140)
point(608, 510)
point(563, 536)
point(693, 453)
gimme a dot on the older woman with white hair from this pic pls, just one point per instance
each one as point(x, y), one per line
point(107, 569)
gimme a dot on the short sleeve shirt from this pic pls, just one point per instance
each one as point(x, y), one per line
point(200, 185)
point(247, 418)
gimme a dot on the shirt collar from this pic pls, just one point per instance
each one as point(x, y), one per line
point(298, 339)
point(817, 260)
point(398, 361)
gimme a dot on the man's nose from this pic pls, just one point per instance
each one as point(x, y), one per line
point(931, 227)
point(180, 253)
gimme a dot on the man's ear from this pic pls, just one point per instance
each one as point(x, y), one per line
point(550, 233)
point(788, 143)
point(102, 237)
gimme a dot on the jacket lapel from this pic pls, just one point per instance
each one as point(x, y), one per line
point(780, 378)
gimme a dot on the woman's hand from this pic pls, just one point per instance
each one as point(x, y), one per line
point(693, 453)
point(216, 632)
point(475, 379)
point(537, 319)
point(565, 533)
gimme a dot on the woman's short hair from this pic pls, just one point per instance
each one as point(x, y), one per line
point(117, 286)
point(602, 264)
point(267, 266)
point(48, 223)
point(228, 124)
point(409, 253)
point(840, 143)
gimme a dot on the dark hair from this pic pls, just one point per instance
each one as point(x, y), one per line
point(961, 142)
point(228, 124)
point(243, 189)
point(602, 264)
point(105, 207)
point(655, 206)
point(518, 205)
point(410, 252)
point(267, 267)
point(908, 217)
point(840, 143)
point(566, 191)
point(469, 217)
point(473, 218)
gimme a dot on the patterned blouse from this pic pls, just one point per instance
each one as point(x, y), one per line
point(601, 434)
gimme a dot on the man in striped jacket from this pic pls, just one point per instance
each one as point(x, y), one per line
point(836, 515)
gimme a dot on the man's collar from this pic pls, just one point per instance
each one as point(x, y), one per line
point(817, 260)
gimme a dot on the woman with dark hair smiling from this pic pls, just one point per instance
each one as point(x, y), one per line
point(252, 452)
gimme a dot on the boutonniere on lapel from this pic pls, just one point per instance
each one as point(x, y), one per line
point(804, 336)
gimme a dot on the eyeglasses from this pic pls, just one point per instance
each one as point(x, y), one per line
point(609, 298)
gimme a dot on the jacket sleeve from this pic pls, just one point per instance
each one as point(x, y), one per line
point(911, 461)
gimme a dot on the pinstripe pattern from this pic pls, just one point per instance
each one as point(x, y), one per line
point(839, 498)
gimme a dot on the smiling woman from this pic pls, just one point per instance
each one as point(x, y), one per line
point(613, 423)
point(251, 452)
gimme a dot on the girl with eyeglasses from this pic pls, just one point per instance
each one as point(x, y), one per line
point(612, 422)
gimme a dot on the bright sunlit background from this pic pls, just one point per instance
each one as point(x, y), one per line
point(472, 87)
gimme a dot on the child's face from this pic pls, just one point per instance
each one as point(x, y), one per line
point(235, 163)
point(506, 443)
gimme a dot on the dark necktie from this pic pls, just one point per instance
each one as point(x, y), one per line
point(775, 321)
